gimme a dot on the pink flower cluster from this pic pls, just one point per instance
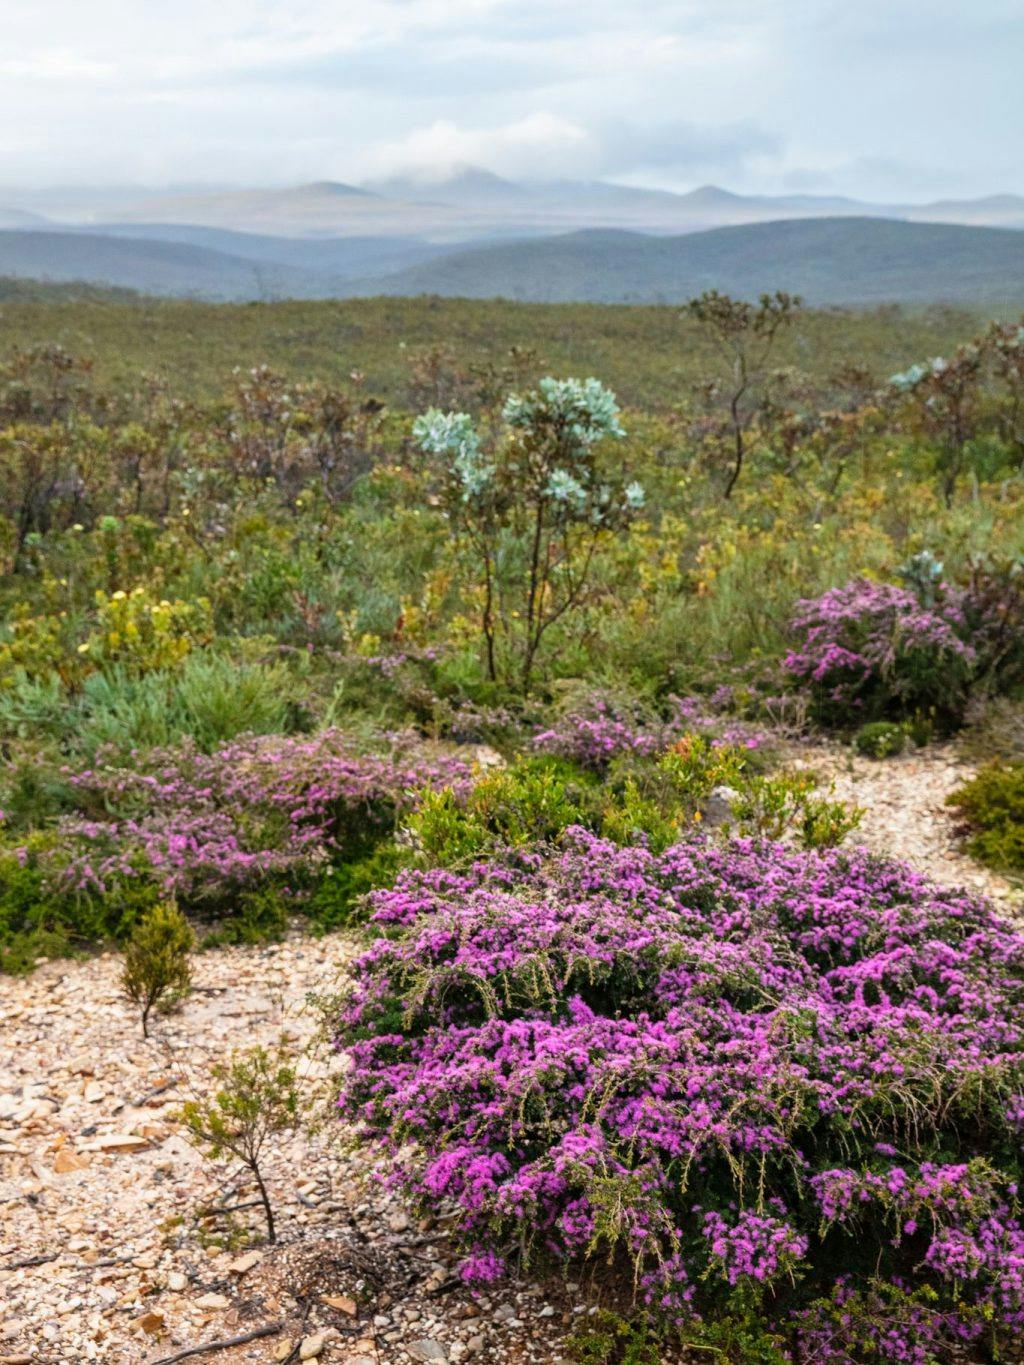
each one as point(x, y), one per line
point(756, 1246)
point(599, 731)
point(747, 1068)
point(206, 825)
point(871, 649)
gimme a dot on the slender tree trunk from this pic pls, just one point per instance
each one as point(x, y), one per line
point(265, 1199)
point(738, 448)
point(531, 601)
point(488, 616)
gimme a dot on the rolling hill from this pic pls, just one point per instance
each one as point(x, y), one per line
point(331, 259)
point(851, 261)
point(155, 267)
point(211, 263)
point(827, 260)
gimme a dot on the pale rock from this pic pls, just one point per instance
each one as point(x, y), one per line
point(213, 1301)
point(427, 1350)
point(342, 1303)
point(246, 1262)
point(118, 1142)
point(67, 1159)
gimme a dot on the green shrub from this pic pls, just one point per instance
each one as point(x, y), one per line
point(531, 802)
point(770, 807)
point(28, 924)
point(653, 801)
point(255, 915)
point(338, 898)
point(257, 1095)
point(880, 739)
point(992, 808)
point(156, 969)
point(39, 917)
point(631, 817)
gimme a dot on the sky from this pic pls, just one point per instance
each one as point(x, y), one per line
point(903, 100)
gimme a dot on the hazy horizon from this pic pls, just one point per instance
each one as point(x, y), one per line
point(904, 103)
point(111, 193)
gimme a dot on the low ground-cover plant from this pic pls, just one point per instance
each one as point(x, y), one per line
point(881, 739)
point(991, 807)
point(237, 835)
point(786, 1088)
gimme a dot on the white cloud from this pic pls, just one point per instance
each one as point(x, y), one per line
point(749, 92)
point(55, 64)
point(536, 146)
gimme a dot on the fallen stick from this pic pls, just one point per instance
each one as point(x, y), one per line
point(29, 1261)
point(215, 1210)
point(268, 1330)
point(152, 1094)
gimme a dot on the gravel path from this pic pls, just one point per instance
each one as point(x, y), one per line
point(105, 1254)
point(905, 814)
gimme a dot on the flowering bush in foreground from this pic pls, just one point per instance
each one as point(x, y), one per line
point(786, 1087)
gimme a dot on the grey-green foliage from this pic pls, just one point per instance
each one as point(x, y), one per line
point(210, 697)
point(31, 706)
point(533, 505)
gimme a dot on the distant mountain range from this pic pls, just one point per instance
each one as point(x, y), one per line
point(844, 261)
point(470, 204)
point(473, 233)
point(20, 218)
point(473, 203)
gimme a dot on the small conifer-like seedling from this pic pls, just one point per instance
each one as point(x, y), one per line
point(156, 961)
point(256, 1096)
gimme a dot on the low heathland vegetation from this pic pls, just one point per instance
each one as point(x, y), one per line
point(496, 668)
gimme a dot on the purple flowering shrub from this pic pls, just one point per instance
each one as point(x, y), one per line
point(599, 730)
point(258, 810)
point(869, 651)
point(774, 1083)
